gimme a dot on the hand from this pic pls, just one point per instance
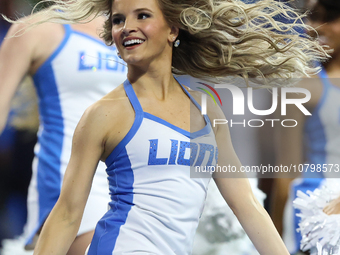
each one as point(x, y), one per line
point(333, 207)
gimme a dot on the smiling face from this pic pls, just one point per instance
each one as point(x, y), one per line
point(140, 32)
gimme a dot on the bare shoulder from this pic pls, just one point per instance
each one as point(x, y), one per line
point(194, 93)
point(36, 42)
point(213, 110)
point(114, 104)
point(30, 26)
point(113, 115)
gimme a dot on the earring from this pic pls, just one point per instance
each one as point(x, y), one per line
point(177, 43)
point(118, 54)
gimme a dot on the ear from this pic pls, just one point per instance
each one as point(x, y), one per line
point(173, 34)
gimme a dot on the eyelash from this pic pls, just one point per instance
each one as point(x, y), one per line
point(119, 20)
point(140, 15)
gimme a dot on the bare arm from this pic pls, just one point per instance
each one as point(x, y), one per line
point(20, 55)
point(289, 149)
point(239, 196)
point(61, 226)
point(15, 59)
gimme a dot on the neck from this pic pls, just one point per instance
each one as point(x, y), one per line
point(154, 79)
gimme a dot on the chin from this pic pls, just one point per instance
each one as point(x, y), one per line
point(130, 60)
point(137, 61)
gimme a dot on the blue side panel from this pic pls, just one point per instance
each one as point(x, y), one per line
point(121, 181)
point(50, 140)
point(315, 132)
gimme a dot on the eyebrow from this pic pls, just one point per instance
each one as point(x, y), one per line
point(116, 15)
point(137, 10)
point(142, 9)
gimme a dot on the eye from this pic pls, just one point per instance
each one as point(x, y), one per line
point(143, 16)
point(117, 20)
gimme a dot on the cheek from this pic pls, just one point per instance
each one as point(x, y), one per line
point(334, 37)
point(157, 31)
point(333, 30)
point(151, 29)
point(336, 32)
point(115, 35)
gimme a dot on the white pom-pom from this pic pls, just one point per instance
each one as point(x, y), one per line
point(320, 232)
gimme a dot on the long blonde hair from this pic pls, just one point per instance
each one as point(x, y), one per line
point(220, 38)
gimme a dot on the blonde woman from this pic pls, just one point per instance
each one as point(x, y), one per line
point(71, 68)
point(149, 130)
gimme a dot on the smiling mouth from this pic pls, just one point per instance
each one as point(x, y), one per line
point(132, 42)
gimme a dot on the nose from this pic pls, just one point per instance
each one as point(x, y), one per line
point(130, 26)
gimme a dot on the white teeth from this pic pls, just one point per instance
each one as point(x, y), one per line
point(133, 41)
